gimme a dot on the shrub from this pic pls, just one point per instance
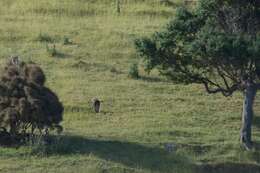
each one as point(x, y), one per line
point(52, 51)
point(133, 71)
point(66, 41)
point(44, 37)
point(26, 104)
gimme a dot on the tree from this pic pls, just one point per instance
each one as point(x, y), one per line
point(217, 44)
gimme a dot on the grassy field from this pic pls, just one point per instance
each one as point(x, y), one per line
point(93, 51)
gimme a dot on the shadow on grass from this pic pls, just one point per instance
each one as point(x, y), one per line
point(59, 55)
point(256, 121)
point(129, 154)
point(138, 156)
point(228, 168)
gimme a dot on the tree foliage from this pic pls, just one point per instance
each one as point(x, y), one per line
point(217, 44)
point(25, 103)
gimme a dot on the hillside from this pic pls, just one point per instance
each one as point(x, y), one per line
point(93, 51)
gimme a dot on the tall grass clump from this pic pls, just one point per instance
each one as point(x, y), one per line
point(51, 50)
point(133, 71)
point(44, 37)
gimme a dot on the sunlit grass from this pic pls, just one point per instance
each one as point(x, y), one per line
point(138, 117)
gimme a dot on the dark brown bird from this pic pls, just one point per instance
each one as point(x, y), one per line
point(96, 105)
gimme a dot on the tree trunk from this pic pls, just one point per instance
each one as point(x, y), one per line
point(247, 115)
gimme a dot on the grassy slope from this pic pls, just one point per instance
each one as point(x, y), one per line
point(138, 116)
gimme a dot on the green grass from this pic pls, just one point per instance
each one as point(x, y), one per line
point(138, 117)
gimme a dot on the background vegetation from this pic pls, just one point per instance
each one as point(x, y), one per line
point(86, 48)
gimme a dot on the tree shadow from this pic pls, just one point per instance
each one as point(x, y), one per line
point(138, 156)
point(228, 168)
point(256, 121)
point(129, 154)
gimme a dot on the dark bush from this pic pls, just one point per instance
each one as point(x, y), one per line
point(133, 71)
point(67, 41)
point(26, 105)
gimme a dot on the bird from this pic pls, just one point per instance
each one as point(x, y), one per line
point(96, 104)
